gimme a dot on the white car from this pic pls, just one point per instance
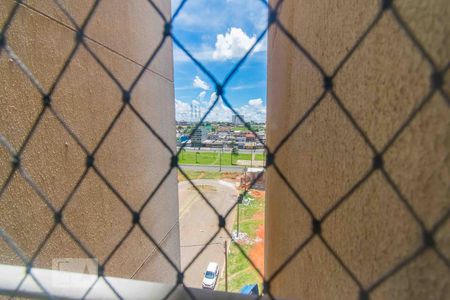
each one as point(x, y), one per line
point(210, 276)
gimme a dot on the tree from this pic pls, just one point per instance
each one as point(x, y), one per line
point(234, 152)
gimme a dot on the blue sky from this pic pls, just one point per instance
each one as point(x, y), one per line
point(218, 33)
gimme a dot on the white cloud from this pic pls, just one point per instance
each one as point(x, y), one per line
point(202, 95)
point(200, 52)
point(247, 86)
point(212, 98)
point(220, 112)
point(250, 113)
point(234, 44)
point(255, 110)
point(179, 56)
point(255, 102)
point(221, 14)
point(198, 83)
point(182, 110)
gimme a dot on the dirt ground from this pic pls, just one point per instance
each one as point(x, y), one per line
point(229, 176)
point(257, 194)
point(256, 253)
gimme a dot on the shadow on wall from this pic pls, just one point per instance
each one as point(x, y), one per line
point(97, 200)
point(363, 181)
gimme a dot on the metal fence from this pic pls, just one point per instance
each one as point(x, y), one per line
point(386, 6)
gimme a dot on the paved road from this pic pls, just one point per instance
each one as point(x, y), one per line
point(198, 223)
point(237, 169)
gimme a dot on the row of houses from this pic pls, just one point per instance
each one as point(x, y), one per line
point(223, 137)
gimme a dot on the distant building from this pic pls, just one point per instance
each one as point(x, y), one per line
point(183, 123)
point(184, 138)
point(250, 137)
point(252, 174)
point(241, 139)
point(261, 135)
point(222, 135)
point(199, 136)
point(224, 129)
point(213, 144)
point(236, 121)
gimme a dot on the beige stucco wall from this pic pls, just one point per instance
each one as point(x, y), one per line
point(380, 85)
point(123, 34)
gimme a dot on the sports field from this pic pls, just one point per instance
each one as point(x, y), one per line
point(215, 158)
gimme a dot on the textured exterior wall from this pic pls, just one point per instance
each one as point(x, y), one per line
point(123, 34)
point(381, 84)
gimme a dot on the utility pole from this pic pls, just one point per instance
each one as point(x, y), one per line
point(226, 266)
point(239, 201)
point(245, 177)
point(237, 217)
point(220, 160)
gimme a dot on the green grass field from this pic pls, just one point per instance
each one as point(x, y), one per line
point(214, 158)
point(243, 128)
point(240, 270)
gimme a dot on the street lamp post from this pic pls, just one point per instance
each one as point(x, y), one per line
point(245, 176)
point(240, 198)
point(237, 218)
point(226, 266)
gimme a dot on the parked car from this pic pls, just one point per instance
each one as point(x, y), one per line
point(210, 276)
point(250, 289)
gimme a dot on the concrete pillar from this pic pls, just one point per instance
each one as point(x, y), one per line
point(381, 85)
point(123, 34)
